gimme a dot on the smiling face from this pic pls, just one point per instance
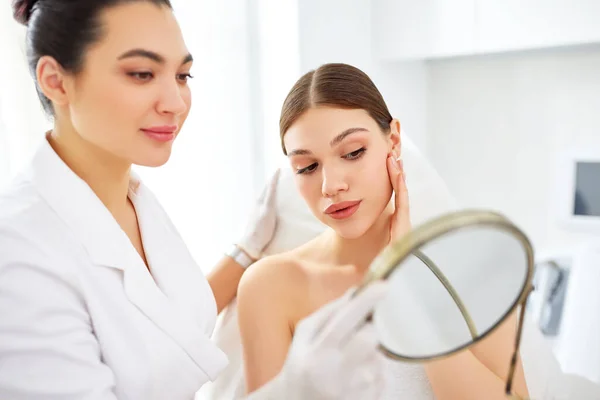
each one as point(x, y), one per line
point(131, 96)
point(339, 157)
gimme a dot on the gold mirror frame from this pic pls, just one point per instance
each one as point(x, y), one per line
point(394, 254)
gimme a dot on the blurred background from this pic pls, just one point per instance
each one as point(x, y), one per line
point(502, 96)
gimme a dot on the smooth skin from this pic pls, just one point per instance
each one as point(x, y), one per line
point(131, 79)
point(282, 289)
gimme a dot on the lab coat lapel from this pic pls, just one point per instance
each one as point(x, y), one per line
point(77, 205)
point(157, 298)
point(109, 246)
point(150, 300)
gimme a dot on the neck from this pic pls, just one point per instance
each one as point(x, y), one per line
point(105, 174)
point(361, 251)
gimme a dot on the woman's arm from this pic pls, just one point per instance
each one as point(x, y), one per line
point(479, 373)
point(496, 350)
point(224, 280)
point(265, 296)
point(259, 231)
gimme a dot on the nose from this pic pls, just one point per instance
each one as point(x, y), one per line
point(172, 100)
point(334, 182)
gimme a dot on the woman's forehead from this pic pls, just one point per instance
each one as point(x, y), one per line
point(326, 122)
point(141, 25)
point(320, 129)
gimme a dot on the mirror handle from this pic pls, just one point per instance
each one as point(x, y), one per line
point(515, 355)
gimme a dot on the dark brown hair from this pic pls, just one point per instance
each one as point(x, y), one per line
point(64, 30)
point(334, 85)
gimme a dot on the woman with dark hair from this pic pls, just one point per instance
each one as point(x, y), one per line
point(344, 146)
point(99, 297)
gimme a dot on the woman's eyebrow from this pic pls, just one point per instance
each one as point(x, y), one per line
point(343, 135)
point(152, 55)
point(336, 140)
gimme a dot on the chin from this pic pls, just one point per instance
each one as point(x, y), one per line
point(153, 159)
point(352, 229)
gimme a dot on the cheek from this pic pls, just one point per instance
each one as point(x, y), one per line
point(186, 95)
point(376, 176)
point(112, 106)
point(109, 114)
point(309, 188)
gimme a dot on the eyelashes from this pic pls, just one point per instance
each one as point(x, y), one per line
point(307, 170)
point(355, 155)
point(352, 156)
point(146, 76)
point(141, 76)
point(184, 77)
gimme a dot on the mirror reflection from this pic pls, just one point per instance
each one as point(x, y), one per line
point(450, 292)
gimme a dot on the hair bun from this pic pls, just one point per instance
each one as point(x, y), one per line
point(22, 10)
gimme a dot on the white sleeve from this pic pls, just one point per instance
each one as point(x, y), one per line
point(47, 346)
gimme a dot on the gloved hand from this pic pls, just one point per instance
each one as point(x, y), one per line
point(334, 354)
point(263, 220)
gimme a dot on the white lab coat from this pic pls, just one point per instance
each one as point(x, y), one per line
point(80, 315)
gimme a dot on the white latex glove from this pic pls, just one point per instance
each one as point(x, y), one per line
point(334, 354)
point(263, 220)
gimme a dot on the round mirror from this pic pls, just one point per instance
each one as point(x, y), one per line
point(452, 281)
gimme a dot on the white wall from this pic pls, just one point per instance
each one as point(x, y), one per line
point(22, 121)
point(496, 125)
point(208, 185)
point(341, 31)
point(493, 125)
point(278, 67)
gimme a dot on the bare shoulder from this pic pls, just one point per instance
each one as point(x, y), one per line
point(276, 277)
point(268, 297)
point(295, 275)
point(292, 285)
point(269, 293)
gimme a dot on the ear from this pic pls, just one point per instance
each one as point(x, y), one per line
point(395, 140)
point(51, 80)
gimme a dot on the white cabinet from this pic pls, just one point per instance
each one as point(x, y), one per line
point(509, 25)
point(427, 29)
point(416, 29)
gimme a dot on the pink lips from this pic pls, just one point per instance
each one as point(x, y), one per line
point(342, 210)
point(163, 133)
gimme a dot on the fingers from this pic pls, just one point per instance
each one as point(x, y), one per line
point(368, 364)
point(402, 201)
point(363, 344)
point(272, 189)
point(398, 180)
point(365, 363)
point(268, 195)
point(393, 170)
point(344, 324)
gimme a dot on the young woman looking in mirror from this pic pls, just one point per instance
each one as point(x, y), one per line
point(344, 146)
